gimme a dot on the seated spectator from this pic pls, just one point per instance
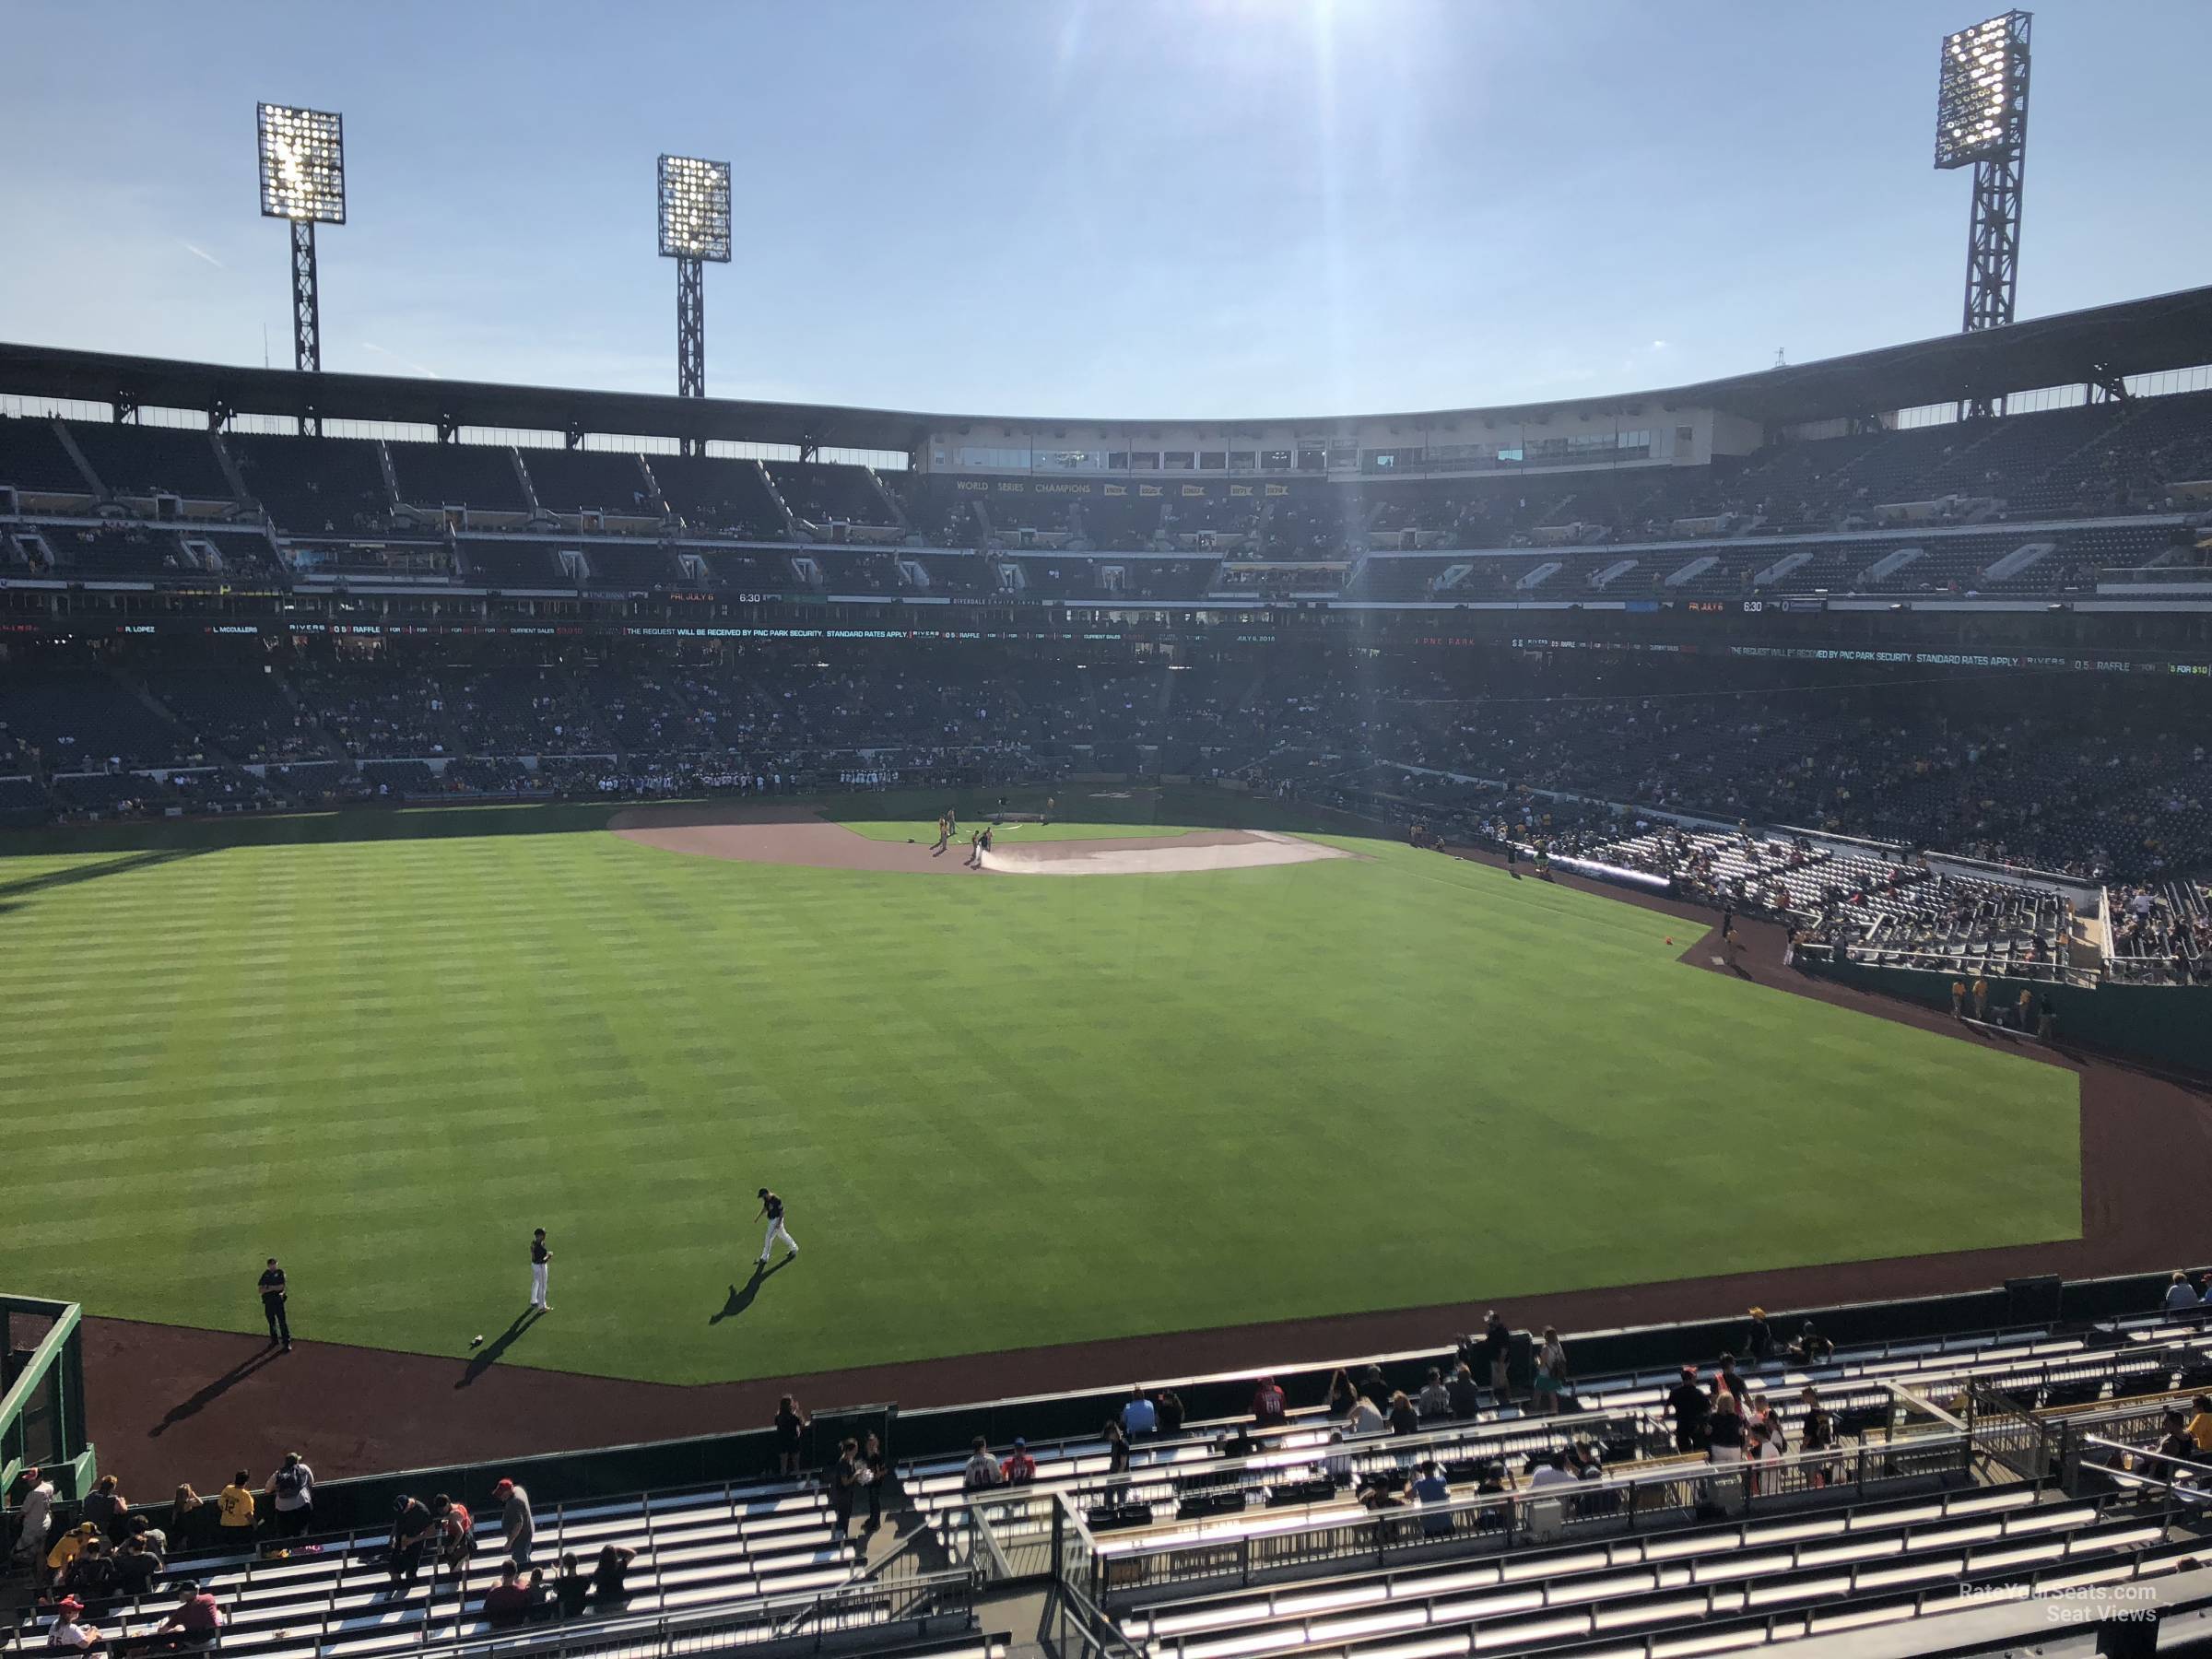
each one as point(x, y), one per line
point(1268, 1408)
point(1432, 1489)
point(2182, 1297)
point(1166, 1404)
point(91, 1576)
point(196, 1623)
point(510, 1601)
point(609, 1573)
point(67, 1547)
point(2199, 1426)
point(1811, 1347)
point(1549, 1472)
point(1435, 1399)
point(2174, 1441)
point(1020, 1468)
point(1363, 1416)
point(1140, 1417)
point(1402, 1419)
point(1385, 1492)
point(983, 1470)
point(69, 1633)
point(1340, 1393)
point(571, 1587)
point(137, 1566)
point(1465, 1396)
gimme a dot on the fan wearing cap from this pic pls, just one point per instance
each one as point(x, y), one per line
point(1020, 1468)
point(67, 1547)
point(516, 1521)
point(195, 1623)
point(68, 1633)
point(771, 1210)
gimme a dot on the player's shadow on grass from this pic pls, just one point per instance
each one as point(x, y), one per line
point(207, 1394)
point(743, 1295)
point(70, 875)
point(500, 1344)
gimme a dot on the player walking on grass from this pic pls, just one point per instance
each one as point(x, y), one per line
point(771, 1209)
point(541, 1273)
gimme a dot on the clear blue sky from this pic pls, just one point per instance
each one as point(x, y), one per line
point(1201, 207)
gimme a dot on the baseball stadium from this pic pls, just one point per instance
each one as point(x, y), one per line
point(1629, 1071)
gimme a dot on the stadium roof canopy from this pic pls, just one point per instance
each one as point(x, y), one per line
point(2102, 344)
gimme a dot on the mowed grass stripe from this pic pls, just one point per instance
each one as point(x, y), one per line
point(1005, 1111)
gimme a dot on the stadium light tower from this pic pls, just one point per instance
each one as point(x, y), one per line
point(695, 227)
point(1981, 122)
point(303, 180)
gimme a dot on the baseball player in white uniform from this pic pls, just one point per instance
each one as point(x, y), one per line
point(771, 1207)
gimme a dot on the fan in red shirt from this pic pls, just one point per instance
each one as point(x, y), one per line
point(1267, 1405)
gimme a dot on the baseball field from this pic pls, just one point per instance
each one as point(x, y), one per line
point(1004, 1111)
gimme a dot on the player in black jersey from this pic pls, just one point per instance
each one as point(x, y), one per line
point(771, 1210)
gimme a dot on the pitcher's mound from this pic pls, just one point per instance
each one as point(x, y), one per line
point(1160, 855)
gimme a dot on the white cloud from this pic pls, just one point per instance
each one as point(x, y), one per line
point(199, 252)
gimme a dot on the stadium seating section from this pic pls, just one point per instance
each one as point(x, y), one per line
point(2031, 504)
point(1953, 1467)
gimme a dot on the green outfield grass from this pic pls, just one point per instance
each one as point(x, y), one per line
point(1005, 1111)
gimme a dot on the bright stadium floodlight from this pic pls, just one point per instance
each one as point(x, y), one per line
point(695, 227)
point(302, 164)
point(1981, 122)
point(695, 209)
point(303, 182)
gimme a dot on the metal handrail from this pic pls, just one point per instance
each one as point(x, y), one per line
point(2183, 1475)
point(1924, 1601)
point(1465, 1438)
point(663, 1628)
point(1948, 1346)
point(1505, 1517)
point(1567, 1585)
